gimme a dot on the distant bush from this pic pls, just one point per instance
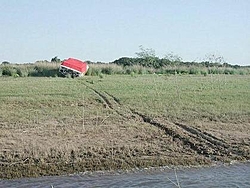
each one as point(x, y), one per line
point(5, 63)
point(8, 71)
point(204, 72)
point(194, 71)
point(107, 70)
point(19, 72)
point(94, 71)
point(230, 71)
point(44, 72)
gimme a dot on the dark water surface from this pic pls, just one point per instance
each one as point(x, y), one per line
point(236, 175)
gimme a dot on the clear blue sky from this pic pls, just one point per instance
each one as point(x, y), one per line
point(105, 30)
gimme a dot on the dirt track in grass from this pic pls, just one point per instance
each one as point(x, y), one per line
point(124, 139)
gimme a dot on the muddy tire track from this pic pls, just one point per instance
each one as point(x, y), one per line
point(203, 134)
point(111, 102)
point(199, 141)
point(199, 145)
point(213, 142)
point(170, 131)
point(114, 98)
point(136, 115)
point(104, 98)
point(221, 146)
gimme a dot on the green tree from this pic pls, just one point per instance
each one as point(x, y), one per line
point(215, 60)
point(55, 60)
point(5, 63)
point(148, 57)
point(173, 58)
point(145, 53)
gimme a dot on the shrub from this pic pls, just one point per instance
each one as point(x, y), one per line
point(215, 71)
point(160, 71)
point(107, 70)
point(93, 71)
point(22, 72)
point(8, 71)
point(241, 72)
point(204, 73)
point(44, 71)
point(142, 71)
point(194, 71)
point(229, 71)
point(128, 70)
point(170, 71)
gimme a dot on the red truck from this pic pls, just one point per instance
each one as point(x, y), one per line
point(73, 67)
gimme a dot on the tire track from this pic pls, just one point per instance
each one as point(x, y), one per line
point(199, 141)
point(171, 132)
point(204, 135)
point(113, 97)
point(108, 103)
point(218, 144)
point(104, 98)
point(198, 144)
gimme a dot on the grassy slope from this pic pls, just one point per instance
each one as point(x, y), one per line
point(59, 125)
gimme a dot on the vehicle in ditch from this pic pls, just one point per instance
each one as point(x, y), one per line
point(73, 68)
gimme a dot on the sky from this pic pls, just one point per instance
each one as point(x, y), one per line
point(105, 30)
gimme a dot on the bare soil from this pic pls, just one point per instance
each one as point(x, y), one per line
point(124, 139)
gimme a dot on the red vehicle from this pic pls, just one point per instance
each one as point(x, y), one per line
point(73, 67)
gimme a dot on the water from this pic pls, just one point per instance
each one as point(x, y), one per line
point(237, 175)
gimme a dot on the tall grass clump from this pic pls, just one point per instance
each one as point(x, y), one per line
point(45, 69)
point(109, 69)
point(93, 71)
point(38, 69)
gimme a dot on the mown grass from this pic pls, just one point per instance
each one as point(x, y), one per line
point(29, 101)
point(189, 98)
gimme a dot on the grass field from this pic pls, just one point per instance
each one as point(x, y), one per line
point(55, 126)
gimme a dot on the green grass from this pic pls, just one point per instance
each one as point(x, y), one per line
point(189, 98)
point(52, 126)
point(29, 101)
